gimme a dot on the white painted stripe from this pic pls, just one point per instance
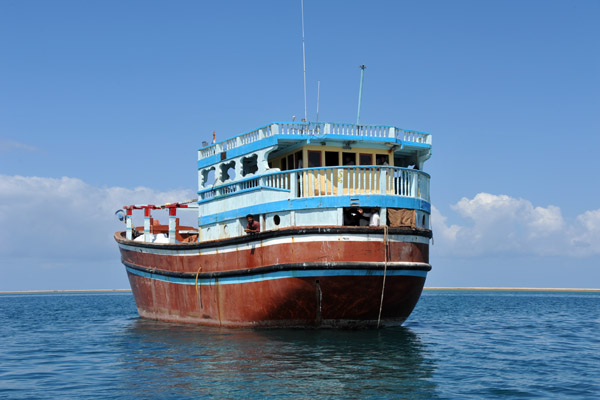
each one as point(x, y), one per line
point(279, 241)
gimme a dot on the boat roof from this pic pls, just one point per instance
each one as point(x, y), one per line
point(288, 134)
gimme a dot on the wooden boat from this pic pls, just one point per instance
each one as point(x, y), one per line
point(344, 231)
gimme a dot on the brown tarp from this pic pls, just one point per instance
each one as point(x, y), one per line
point(398, 217)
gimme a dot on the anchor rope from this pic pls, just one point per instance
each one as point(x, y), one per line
point(385, 262)
point(197, 273)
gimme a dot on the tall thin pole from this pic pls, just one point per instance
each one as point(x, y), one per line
point(304, 61)
point(318, 92)
point(362, 78)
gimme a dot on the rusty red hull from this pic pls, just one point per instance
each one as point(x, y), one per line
point(321, 277)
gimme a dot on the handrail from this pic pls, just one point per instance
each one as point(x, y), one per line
point(332, 181)
point(314, 129)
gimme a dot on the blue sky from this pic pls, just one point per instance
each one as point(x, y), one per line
point(104, 103)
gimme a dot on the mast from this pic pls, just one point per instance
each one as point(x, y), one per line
point(362, 78)
point(304, 61)
point(318, 92)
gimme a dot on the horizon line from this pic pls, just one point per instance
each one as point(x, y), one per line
point(434, 288)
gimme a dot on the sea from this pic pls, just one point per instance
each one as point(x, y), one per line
point(455, 345)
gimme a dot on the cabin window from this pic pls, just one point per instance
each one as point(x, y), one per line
point(283, 164)
point(249, 165)
point(227, 171)
point(332, 159)
point(382, 159)
point(349, 158)
point(365, 159)
point(314, 159)
point(290, 161)
point(299, 163)
point(276, 220)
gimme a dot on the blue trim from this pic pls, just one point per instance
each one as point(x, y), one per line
point(274, 275)
point(316, 203)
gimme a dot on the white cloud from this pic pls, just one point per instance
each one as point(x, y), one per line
point(500, 224)
point(65, 219)
point(8, 145)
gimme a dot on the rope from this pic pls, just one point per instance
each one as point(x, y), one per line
point(385, 262)
point(198, 273)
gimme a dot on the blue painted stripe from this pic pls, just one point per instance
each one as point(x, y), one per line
point(318, 203)
point(275, 275)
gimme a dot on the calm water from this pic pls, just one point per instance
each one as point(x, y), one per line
point(455, 345)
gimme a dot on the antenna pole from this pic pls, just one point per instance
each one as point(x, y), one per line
point(304, 61)
point(318, 92)
point(362, 78)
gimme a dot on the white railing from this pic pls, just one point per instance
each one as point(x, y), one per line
point(301, 128)
point(335, 181)
point(413, 136)
point(360, 130)
point(290, 128)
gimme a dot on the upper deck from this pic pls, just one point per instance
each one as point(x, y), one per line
point(270, 134)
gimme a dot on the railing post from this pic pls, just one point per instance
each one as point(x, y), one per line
point(415, 185)
point(147, 224)
point(383, 180)
point(392, 133)
point(129, 224)
point(327, 129)
point(172, 224)
point(274, 129)
point(294, 184)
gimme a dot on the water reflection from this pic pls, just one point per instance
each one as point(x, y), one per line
point(164, 360)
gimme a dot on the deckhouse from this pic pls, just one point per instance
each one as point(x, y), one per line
point(311, 174)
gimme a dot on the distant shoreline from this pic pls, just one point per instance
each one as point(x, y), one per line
point(513, 289)
point(66, 291)
point(498, 289)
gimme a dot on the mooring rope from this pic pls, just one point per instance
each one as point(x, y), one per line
point(385, 262)
point(198, 273)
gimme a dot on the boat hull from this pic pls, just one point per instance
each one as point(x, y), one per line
point(320, 277)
